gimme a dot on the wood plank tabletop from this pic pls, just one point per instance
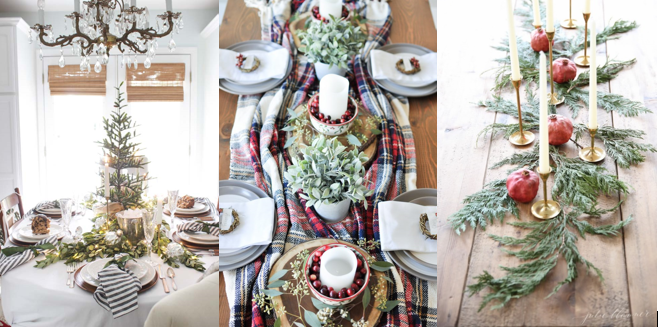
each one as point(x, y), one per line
point(412, 23)
point(628, 261)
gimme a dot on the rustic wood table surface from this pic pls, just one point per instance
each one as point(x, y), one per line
point(628, 261)
point(412, 23)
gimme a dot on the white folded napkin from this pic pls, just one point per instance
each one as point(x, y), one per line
point(383, 67)
point(377, 10)
point(399, 227)
point(272, 65)
point(256, 224)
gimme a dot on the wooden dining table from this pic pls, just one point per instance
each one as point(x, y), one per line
point(412, 23)
point(628, 260)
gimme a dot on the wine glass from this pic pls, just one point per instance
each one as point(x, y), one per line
point(66, 205)
point(172, 202)
point(148, 221)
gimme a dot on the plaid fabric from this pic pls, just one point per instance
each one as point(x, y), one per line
point(257, 156)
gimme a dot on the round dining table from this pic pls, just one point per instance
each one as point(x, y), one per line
point(35, 297)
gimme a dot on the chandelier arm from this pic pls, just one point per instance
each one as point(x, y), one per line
point(146, 32)
point(133, 46)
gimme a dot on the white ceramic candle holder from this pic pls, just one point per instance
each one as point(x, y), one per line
point(338, 268)
point(333, 95)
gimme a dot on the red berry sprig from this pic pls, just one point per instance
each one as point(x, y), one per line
point(314, 107)
point(357, 284)
point(415, 62)
point(240, 59)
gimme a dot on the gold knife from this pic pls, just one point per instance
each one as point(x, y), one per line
point(164, 280)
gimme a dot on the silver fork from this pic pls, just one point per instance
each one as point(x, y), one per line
point(69, 270)
point(75, 266)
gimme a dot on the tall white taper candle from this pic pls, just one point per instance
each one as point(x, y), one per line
point(513, 53)
point(587, 9)
point(592, 77)
point(107, 178)
point(549, 16)
point(543, 116)
point(535, 11)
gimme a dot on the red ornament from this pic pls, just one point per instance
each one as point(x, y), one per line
point(560, 129)
point(415, 62)
point(539, 40)
point(522, 185)
point(564, 70)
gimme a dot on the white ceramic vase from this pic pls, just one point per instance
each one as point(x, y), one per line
point(333, 212)
point(321, 70)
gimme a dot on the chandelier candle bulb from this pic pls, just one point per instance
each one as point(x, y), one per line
point(549, 16)
point(331, 7)
point(514, 55)
point(543, 117)
point(535, 10)
point(333, 95)
point(76, 6)
point(133, 3)
point(107, 178)
point(592, 78)
point(169, 5)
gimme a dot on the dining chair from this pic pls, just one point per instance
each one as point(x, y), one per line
point(6, 206)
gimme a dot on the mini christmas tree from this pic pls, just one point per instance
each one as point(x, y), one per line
point(120, 149)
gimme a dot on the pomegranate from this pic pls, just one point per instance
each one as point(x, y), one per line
point(522, 185)
point(539, 40)
point(564, 70)
point(560, 129)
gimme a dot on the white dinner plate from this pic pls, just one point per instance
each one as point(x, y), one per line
point(137, 267)
point(257, 53)
point(187, 237)
point(197, 208)
point(150, 274)
point(426, 257)
point(407, 83)
point(26, 232)
point(202, 236)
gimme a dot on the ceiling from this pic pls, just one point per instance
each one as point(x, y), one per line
point(67, 5)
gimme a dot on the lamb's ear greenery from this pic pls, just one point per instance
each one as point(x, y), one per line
point(328, 173)
point(333, 43)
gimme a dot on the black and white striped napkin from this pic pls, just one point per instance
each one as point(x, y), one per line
point(117, 290)
point(198, 227)
point(8, 263)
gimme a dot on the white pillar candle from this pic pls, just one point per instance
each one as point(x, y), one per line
point(587, 10)
point(549, 16)
point(543, 116)
point(535, 10)
point(338, 268)
point(169, 5)
point(333, 95)
point(592, 77)
point(331, 7)
point(107, 178)
point(76, 6)
point(513, 53)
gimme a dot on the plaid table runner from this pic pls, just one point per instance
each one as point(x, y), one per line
point(257, 157)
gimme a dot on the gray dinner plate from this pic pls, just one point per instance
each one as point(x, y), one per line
point(230, 261)
point(406, 261)
point(399, 89)
point(236, 88)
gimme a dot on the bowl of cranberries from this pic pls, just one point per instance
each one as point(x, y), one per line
point(328, 125)
point(326, 294)
point(315, 13)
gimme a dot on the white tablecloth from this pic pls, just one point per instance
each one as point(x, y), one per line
point(33, 297)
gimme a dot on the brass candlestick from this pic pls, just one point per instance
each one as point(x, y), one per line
point(552, 97)
point(592, 153)
point(545, 209)
point(583, 61)
point(537, 26)
point(569, 23)
point(521, 137)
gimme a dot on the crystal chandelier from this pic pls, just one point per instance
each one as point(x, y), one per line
point(104, 24)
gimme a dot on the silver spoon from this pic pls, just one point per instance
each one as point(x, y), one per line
point(171, 274)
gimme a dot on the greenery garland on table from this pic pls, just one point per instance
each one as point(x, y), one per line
point(577, 184)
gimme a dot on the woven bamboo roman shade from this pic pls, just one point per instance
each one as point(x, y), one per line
point(160, 82)
point(69, 80)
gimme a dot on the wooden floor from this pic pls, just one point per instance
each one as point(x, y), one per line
point(628, 262)
point(412, 23)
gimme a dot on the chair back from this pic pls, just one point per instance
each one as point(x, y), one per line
point(7, 216)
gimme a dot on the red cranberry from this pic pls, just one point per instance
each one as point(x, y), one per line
point(321, 115)
point(350, 291)
point(329, 117)
point(354, 286)
point(317, 284)
point(331, 289)
point(316, 258)
point(359, 282)
point(359, 263)
point(316, 268)
point(344, 289)
point(333, 294)
point(324, 291)
point(358, 275)
point(364, 271)
point(313, 277)
point(342, 294)
point(322, 249)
